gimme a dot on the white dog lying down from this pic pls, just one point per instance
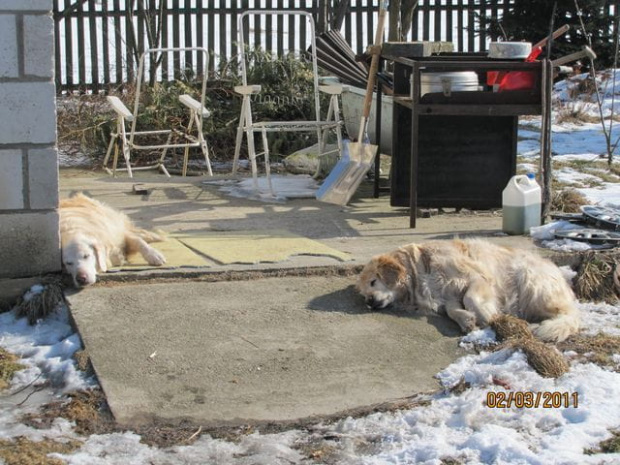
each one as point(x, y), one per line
point(473, 280)
point(94, 236)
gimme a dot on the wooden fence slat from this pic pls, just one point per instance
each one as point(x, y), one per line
point(91, 17)
point(57, 63)
point(81, 44)
point(105, 45)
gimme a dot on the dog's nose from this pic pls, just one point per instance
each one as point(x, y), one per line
point(371, 302)
point(82, 279)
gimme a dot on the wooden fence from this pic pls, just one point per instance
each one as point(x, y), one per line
point(98, 41)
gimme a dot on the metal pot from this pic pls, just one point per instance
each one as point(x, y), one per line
point(448, 82)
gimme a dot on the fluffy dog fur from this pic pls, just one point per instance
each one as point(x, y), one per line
point(95, 236)
point(472, 281)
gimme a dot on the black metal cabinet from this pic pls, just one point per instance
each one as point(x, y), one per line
point(456, 150)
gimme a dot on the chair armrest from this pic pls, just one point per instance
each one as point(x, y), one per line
point(334, 89)
point(120, 108)
point(248, 90)
point(194, 104)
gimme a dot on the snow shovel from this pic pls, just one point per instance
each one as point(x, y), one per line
point(357, 157)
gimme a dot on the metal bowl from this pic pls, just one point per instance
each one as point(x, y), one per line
point(602, 217)
point(509, 50)
point(591, 236)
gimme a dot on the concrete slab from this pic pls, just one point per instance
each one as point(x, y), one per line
point(269, 350)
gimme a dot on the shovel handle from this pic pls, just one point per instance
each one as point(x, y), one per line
point(557, 33)
point(372, 73)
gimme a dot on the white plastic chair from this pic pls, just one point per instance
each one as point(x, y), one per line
point(248, 126)
point(128, 139)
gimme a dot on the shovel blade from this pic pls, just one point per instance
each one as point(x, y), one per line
point(346, 176)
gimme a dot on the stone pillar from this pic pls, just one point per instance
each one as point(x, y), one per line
point(29, 237)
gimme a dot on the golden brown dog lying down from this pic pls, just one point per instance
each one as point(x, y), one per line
point(473, 280)
point(94, 236)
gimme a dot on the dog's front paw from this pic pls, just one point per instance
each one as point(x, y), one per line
point(468, 324)
point(155, 257)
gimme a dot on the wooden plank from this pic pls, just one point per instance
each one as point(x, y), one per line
point(269, 33)
point(105, 46)
point(176, 39)
point(165, 43)
point(58, 71)
point(449, 22)
point(482, 15)
point(471, 36)
point(461, 25)
point(224, 39)
point(437, 21)
point(200, 31)
point(188, 39)
point(280, 37)
point(129, 45)
point(235, 32)
point(210, 19)
point(426, 22)
point(118, 50)
point(93, 46)
point(141, 27)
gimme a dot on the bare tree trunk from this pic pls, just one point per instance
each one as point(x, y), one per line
point(406, 17)
point(401, 19)
point(341, 11)
point(394, 21)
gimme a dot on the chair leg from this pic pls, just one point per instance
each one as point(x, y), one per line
point(267, 164)
point(109, 151)
point(239, 139)
point(252, 156)
point(185, 161)
point(205, 150)
point(126, 155)
point(203, 146)
point(115, 160)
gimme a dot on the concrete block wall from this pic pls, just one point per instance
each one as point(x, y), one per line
point(29, 239)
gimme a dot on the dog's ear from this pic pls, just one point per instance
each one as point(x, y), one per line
point(101, 255)
point(390, 270)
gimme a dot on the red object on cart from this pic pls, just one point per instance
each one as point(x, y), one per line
point(514, 80)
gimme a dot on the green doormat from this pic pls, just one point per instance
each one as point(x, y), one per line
point(249, 247)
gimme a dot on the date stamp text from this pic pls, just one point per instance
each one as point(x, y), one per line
point(532, 399)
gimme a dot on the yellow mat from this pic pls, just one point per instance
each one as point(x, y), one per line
point(177, 255)
point(249, 247)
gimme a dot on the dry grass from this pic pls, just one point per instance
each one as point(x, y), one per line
point(8, 367)
point(91, 414)
point(41, 305)
point(515, 333)
point(546, 359)
point(575, 113)
point(23, 451)
point(598, 349)
point(508, 327)
point(568, 201)
point(594, 281)
point(88, 409)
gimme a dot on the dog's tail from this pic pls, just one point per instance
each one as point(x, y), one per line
point(559, 328)
point(150, 236)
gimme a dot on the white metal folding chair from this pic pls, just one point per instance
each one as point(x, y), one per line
point(127, 138)
point(248, 126)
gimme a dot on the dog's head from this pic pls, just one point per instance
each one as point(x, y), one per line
point(82, 258)
point(382, 282)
